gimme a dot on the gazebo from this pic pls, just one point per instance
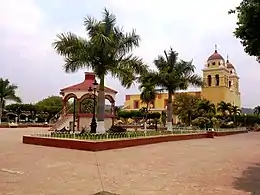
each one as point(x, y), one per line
point(79, 93)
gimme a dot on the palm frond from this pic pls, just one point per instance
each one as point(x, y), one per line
point(109, 21)
point(68, 44)
point(92, 26)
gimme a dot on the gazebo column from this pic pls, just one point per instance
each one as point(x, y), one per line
point(64, 106)
point(79, 111)
point(113, 112)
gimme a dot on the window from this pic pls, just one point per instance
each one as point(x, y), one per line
point(209, 80)
point(217, 79)
point(219, 63)
point(136, 104)
point(213, 63)
point(208, 64)
point(231, 71)
point(229, 84)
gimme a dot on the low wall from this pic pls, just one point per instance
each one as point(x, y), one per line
point(106, 144)
point(225, 133)
point(18, 126)
point(116, 144)
point(25, 125)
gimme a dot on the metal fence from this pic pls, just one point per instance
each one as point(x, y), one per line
point(124, 135)
point(130, 134)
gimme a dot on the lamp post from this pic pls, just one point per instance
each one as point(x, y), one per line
point(246, 120)
point(93, 125)
point(74, 114)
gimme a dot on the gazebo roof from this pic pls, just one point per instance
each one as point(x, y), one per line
point(84, 86)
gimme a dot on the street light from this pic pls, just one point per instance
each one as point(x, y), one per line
point(93, 125)
point(246, 120)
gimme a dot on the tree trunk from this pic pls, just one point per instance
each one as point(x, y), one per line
point(169, 112)
point(145, 120)
point(101, 106)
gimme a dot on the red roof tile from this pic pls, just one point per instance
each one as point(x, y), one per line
point(84, 86)
point(215, 56)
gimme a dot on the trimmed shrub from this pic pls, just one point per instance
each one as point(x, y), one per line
point(116, 129)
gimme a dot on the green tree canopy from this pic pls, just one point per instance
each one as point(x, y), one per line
point(51, 105)
point(185, 107)
point(257, 110)
point(148, 93)
point(7, 93)
point(248, 26)
point(224, 108)
point(206, 108)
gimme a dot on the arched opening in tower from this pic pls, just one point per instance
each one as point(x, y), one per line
point(217, 79)
point(209, 80)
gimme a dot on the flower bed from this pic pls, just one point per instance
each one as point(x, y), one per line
point(99, 142)
point(99, 145)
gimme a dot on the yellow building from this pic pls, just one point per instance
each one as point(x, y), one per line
point(221, 84)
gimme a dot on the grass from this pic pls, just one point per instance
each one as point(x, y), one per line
point(124, 135)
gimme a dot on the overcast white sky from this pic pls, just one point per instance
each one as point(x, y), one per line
point(28, 28)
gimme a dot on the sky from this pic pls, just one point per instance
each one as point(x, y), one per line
point(192, 28)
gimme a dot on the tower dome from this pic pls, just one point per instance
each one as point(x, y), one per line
point(215, 56)
point(229, 65)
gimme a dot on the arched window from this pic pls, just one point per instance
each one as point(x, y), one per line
point(229, 84)
point(217, 79)
point(209, 80)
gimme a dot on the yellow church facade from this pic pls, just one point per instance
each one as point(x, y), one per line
point(221, 83)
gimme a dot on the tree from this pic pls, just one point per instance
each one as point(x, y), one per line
point(51, 105)
point(163, 118)
point(7, 93)
point(248, 26)
point(33, 109)
point(202, 122)
point(173, 75)
point(185, 106)
point(108, 50)
point(224, 108)
point(148, 93)
point(16, 109)
point(206, 108)
point(234, 111)
point(257, 110)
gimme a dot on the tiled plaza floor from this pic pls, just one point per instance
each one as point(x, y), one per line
point(224, 165)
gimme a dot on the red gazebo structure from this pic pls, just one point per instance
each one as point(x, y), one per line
point(79, 93)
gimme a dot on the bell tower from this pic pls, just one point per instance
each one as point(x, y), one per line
point(220, 81)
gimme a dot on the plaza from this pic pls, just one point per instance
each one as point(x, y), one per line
point(224, 165)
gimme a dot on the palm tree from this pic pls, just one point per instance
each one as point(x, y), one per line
point(108, 50)
point(234, 111)
point(148, 93)
point(206, 107)
point(224, 108)
point(173, 75)
point(257, 110)
point(7, 93)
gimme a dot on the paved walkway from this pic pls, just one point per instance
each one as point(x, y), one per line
point(224, 165)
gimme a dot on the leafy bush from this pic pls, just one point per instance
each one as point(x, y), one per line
point(202, 122)
point(116, 129)
point(154, 115)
